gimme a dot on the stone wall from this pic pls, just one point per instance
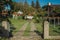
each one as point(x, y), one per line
point(46, 32)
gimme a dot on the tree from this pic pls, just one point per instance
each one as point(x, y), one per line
point(4, 3)
point(1, 5)
point(25, 7)
point(25, 4)
point(18, 6)
point(37, 4)
point(57, 10)
point(37, 7)
point(33, 4)
point(11, 4)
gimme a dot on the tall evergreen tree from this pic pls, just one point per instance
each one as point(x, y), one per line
point(10, 2)
point(33, 4)
point(1, 5)
point(37, 4)
point(25, 8)
point(25, 4)
point(4, 3)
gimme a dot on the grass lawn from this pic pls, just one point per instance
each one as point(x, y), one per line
point(27, 31)
point(17, 23)
point(54, 31)
point(3, 38)
point(39, 27)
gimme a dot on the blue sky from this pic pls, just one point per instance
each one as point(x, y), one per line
point(42, 2)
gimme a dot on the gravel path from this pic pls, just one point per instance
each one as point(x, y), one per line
point(19, 34)
point(33, 34)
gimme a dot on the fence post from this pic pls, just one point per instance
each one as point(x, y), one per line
point(54, 22)
point(58, 21)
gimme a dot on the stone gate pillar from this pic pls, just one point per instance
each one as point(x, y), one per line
point(46, 29)
point(5, 30)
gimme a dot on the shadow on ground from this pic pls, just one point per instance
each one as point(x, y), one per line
point(39, 33)
point(12, 28)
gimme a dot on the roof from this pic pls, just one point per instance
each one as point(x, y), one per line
point(55, 6)
point(20, 12)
